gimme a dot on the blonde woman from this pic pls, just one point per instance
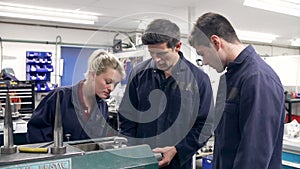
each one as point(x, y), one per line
point(83, 108)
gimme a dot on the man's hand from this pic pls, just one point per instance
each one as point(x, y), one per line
point(168, 154)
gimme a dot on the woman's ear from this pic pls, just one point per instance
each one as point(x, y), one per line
point(92, 76)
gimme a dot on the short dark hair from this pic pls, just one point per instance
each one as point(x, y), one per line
point(212, 24)
point(161, 31)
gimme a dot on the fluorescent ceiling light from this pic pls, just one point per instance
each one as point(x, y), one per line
point(289, 7)
point(47, 14)
point(256, 36)
point(296, 42)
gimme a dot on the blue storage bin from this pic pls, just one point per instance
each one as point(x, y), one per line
point(207, 162)
point(39, 69)
point(290, 160)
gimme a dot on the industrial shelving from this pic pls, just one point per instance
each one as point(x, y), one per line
point(38, 69)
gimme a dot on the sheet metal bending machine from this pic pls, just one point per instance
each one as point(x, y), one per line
point(107, 152)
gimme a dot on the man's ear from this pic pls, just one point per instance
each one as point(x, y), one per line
point(215, 41)
point(178, 46)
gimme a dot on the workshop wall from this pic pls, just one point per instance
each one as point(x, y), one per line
point(39, 38)
point(17, 39)
point(269, 50)
point(288, 70)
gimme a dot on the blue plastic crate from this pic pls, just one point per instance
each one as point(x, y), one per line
point(207, 162)
point(290, 160)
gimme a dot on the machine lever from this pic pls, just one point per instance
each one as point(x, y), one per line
point(8, 147)
point(119, 142)
point(58, 147)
